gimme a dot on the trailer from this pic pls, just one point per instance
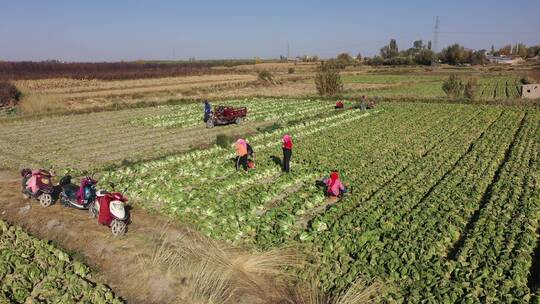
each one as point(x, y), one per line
point(223, 115)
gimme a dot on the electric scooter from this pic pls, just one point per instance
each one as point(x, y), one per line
point(37, 184)
point(79, 197)
point(111, 211)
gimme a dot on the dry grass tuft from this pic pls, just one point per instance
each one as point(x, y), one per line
point(162, 253)
point(219, 273)
point(222, 273)
point(216, 272)
point(40, 103)
point(306, 294)
point(360, 293)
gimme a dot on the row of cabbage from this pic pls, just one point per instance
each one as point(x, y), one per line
point(258, 110)
point(500, 88)
point(35, 271)
point(495, 260)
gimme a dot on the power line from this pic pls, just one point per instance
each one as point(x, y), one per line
point(486, 33)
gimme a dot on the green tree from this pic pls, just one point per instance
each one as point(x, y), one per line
point(506, 50)
point(328, 81)
point(533, 51)
point(418, 44)
point(424, 57)
point(479, 57)
point(452, 54)
point(521, 50)
point(390, 51)
point(453, 86)
point(429, 45)
point(344, 59)
point(393, 45)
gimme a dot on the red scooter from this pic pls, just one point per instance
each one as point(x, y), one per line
point(111, 211)
point(37, 184)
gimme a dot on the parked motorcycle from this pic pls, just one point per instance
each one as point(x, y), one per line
point(37, 184)
point(111, 211)
point(79, 197)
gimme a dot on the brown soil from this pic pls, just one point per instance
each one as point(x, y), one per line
point(118, 259)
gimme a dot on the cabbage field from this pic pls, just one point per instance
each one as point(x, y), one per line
point(134, 134)
point(430, 86)
point(35, 271)
point(445, 201)
point(500, 88)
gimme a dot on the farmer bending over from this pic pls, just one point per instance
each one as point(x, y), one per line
point(241, 154)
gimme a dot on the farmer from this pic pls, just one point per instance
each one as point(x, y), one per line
point(241, 154)
point(334, 187)
point(287, 152)
point(207, 110)
point(362, 103)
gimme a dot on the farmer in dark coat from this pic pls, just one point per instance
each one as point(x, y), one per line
point(207, 110)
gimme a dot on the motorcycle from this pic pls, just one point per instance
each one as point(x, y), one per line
point(37, 184)
point(79, 197)
point(111, 211)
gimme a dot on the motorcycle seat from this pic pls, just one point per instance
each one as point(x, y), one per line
point(70, 189)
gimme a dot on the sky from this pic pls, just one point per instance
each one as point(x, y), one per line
point(105, 30)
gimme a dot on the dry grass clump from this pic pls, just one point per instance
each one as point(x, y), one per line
point(223, 274)
point(39, 103)
point(358, 293)
point(213, 272)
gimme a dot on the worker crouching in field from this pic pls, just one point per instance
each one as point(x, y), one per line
point(287, 152)
point(334, 187)
point(241, 154)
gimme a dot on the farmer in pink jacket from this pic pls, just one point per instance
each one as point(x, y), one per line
point(334, 187)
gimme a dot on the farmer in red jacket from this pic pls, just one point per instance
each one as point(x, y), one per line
point(334, 187)
point(287, 152)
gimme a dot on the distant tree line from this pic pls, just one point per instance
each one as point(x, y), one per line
point(422, 54)
point(111, 70)
point(519, 49)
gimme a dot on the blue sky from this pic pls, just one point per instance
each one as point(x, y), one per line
point(102, 30)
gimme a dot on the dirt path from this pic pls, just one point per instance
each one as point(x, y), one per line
point(119, 260)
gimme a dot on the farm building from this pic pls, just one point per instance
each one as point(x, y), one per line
point(531, 91)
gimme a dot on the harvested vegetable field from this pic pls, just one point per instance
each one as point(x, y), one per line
point(444, 204)
point(438, 192)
